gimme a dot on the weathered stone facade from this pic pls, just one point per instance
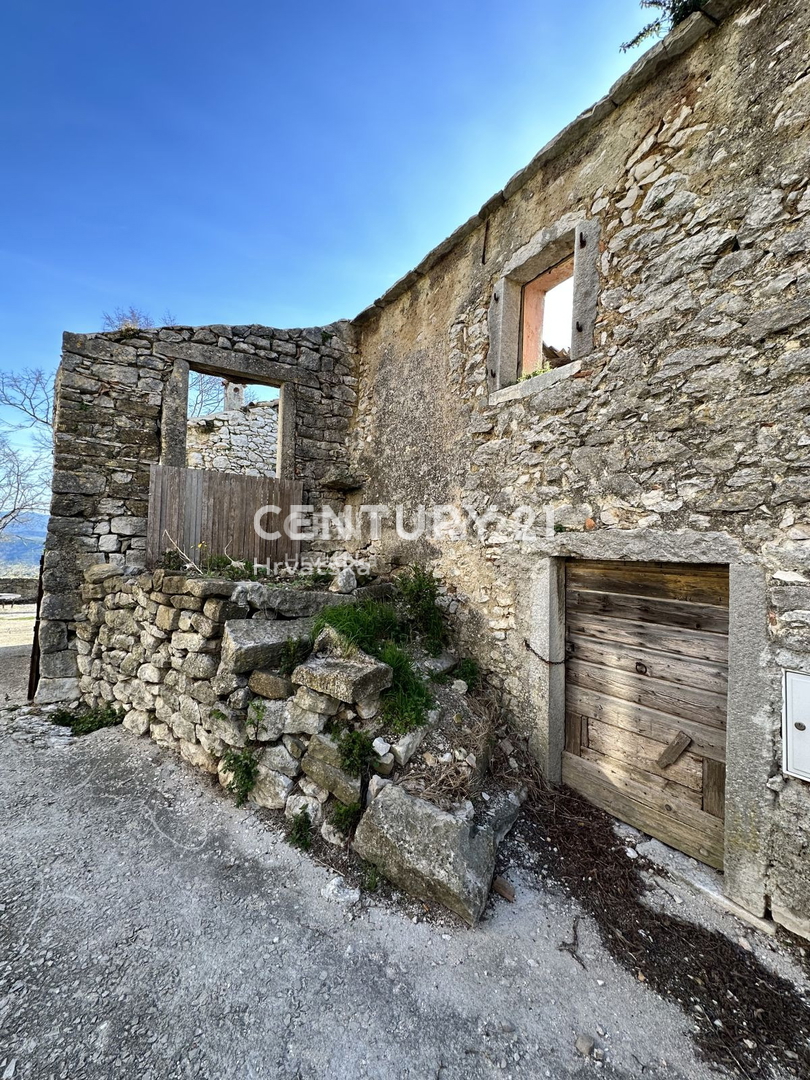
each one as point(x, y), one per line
point(683, 434)
point(678, 435)
point(243, 440)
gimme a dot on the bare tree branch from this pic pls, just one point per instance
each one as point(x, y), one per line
point(205, 394)
point(30, 393)
point(23, 486)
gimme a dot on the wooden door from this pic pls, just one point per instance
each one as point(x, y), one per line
point(646, 693)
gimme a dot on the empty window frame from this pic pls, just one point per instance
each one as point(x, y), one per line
point(547, 295)
point(546, 318)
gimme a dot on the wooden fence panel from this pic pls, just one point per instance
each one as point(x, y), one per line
point(201, 506)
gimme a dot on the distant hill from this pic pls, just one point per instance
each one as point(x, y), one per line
point(21, 545)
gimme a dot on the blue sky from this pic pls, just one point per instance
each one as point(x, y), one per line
point(259, 162)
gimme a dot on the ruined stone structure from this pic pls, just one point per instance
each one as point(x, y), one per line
point(121, 406)
point(677, 434)
point(238, 440)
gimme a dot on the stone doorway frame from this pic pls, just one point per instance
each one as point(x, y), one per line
point(754, 719)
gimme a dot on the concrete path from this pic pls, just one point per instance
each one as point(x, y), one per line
point(152, 930)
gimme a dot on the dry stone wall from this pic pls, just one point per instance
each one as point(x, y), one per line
point(121, 407)
point(241, 440)
point(682, 436)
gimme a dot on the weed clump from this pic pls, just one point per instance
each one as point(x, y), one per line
point(405, 705)
point(369, 878)
point(469, 672)
point(346, 818)
point(356, 752)
point(672, 12)
point(85, 721)
point(243, 765)
point(381, 628)
point(418, 592)
point(299, 831)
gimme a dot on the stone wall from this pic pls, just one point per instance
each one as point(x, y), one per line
point(683, 436)
point(121, 404)
point(25, 588)
point(241, 440)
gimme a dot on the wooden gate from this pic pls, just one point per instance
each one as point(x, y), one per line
point(202, 506)
point(646, 693)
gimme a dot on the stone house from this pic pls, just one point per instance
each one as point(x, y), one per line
point(652, 636)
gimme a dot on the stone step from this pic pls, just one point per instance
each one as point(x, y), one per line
point(248, 644)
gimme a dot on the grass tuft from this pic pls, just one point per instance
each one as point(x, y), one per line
point(365, 625)
point(86, 721)
point(405, 705)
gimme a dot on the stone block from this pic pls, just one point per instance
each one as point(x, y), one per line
point(225, 727)
point(59, 665)
point(205, 588)
point(268, 685)
point(94, 575)
point(210, 743)
point(297, 804)
point(137, 721)
point(312, 701)
point(56, 691)
point(266, 719)
point(298, 721)
point(430, 853)
point(346, 680)
point(200, 665)
point(279, 759)
point(248, 644)
point(167, 618)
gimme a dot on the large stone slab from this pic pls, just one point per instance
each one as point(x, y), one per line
point(346, 680)
point(430, 853)
point(248, 644)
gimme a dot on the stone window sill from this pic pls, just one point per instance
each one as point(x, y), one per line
point(535, 385)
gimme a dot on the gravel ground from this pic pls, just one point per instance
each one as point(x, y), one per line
point(151, 929)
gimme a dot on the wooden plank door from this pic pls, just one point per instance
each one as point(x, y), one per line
point(646, 694)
